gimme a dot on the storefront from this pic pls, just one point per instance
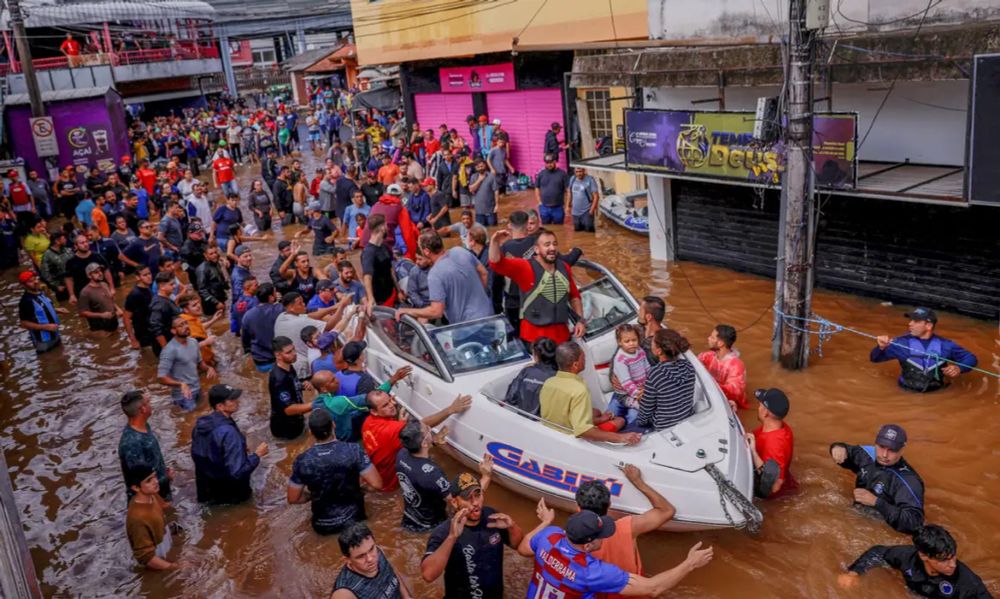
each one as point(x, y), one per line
point(525, 93)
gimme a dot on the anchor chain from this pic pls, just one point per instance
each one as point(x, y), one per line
point(752, 518)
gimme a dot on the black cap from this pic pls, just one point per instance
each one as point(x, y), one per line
point(922, 314)
point(585, 526)
point(891, 436)
point(774, 400)
point(325, 284)
point(284, 243)
point(220, 393)
point(464, 484)
point(353, 350)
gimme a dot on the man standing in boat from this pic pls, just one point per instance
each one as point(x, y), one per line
point(922, 354)
point(548, 292)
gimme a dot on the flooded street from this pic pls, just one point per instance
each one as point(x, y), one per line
point(60, 423)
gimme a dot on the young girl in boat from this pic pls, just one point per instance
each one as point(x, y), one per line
point(630, 367)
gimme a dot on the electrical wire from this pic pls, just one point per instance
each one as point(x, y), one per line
point(614, 29)
point(892, 86)
point(493, 6)
point(531, 20)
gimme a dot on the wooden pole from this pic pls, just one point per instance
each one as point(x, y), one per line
point(24, 55)
point(17, 572)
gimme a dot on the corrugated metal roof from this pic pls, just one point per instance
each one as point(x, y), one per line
point(58, 95)
point(301, 62)
point(47, 13)
point(244, 10)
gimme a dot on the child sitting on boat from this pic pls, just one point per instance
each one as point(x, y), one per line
point(630, 367)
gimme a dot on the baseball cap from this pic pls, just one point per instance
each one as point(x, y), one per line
point(585, 526)
point(26, 276)
point(464, 484)
point(220, 393)
point(428, 182)
point(483, 119)
point(241, 249)
point(922, 314)
point(12, 173)
point(313, 206)
point(93, 267)
point(394, 190)
point(195, 228)
point(496, 121)
point(774, 400)
point(556, 126)
point(222, 143)
point(891, 436)
point(325, 340)
point(353, 350)
point(284, 243)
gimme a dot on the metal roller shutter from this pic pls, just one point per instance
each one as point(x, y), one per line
point(449, 109)
point(527, 115)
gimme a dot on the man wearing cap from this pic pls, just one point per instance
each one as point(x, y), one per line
point(771, 445)
point(565, 566)
point(928, 362)
point(222, 462)
point(96, 303)
point(355, 380)
point(885, 481)
point(325, 297)
point(37, 314)
point(76, 267)
point(193, 249)
point(484, 137)
point(552, 144)
point(380, 431)
point(468, 549)
point(552, 190)
point(332, 471)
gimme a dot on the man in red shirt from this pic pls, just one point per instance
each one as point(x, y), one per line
point(724, 364)
point(147, 176)
point(771, 446)
point(71, 50)
point(224, 175)
point(548, 291)
point(380, 431)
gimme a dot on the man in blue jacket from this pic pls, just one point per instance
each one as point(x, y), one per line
point(222, 464)
point(922, 354)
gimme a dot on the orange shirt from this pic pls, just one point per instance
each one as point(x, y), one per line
point(380, 437)
point(620, 550)
point(387, 174)
point(199, 333)
point(100, 221)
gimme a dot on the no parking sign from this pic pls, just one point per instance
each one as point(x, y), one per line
point(44, 133)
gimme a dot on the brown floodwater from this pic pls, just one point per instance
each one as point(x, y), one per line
point(60, 423)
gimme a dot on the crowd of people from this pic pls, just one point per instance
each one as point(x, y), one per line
point(380, 208)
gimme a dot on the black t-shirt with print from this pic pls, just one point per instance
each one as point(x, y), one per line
point(475, 566)
point(424, 487)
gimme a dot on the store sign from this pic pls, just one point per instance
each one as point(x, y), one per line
point(43, 131)
point(721, 145)
point(481, 78)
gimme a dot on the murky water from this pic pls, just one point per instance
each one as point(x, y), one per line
point(60, 423)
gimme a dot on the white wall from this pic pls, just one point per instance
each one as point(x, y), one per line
point(687, 19)
point(922, 121)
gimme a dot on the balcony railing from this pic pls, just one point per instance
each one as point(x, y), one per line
point(179, 51)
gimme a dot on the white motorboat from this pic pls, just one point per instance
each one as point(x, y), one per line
point(630, 211)
point(702, 465)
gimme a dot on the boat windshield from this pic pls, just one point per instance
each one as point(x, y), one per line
point(478, 344)
point(605, 307)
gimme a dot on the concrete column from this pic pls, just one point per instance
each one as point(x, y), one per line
point(661, 219)
point(17, 572)
point(227, 62)
point(300, 37)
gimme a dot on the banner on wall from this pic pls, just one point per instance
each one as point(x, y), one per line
point(721, 145)
point(480, 78)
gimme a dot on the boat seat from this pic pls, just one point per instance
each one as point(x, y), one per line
point(701, 403)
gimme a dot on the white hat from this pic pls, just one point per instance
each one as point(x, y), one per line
point(496, 121)
point(394, 190)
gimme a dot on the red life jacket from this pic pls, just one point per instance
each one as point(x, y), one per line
point(19, 194)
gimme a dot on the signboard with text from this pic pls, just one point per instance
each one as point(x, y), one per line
point(480, 78)
point(43, 131)
point(720, 145)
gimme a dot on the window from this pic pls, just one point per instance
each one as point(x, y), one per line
point(405, 339)
point(264, 56)
point(599, 109)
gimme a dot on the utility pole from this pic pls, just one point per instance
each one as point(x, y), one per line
point(24, 56)
point(795, 280)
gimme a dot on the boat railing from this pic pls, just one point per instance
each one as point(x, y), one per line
point(529, 415)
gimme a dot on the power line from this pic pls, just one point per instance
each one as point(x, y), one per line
point(614, 29)
point(425, 25)
point(531, 20)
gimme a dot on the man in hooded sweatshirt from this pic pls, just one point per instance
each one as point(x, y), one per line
point(222, 464)
point(391, 206)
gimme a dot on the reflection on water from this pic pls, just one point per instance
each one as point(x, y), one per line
point(60, 422)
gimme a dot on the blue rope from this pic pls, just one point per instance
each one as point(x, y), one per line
point(826, 329)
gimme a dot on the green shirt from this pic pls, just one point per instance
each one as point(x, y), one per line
point(565, 401)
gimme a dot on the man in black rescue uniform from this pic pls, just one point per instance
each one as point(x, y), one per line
point(885, 481)
point(930, 567)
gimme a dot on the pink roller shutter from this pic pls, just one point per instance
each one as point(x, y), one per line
point(433, 110)
point(526, 115)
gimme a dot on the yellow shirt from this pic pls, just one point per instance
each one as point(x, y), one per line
point(565, 400)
